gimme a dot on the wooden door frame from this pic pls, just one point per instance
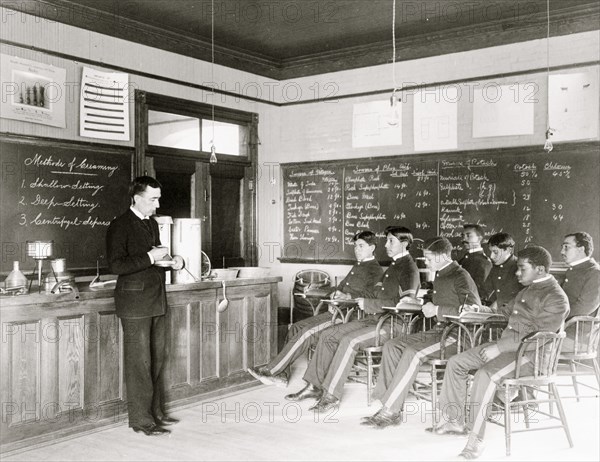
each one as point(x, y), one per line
point(198, 161)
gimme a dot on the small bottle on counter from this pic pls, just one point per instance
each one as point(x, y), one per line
point(15, 278)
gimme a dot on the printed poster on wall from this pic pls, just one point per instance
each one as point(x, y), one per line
point(504, 110)
point(32, 91)
point(435, 119)
point(376, 123)
point(573, 106)
point(104, 105)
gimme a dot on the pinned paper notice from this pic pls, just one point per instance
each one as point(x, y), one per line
point(104, 106)
point(573, 107)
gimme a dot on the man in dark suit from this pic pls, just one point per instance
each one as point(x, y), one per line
point(133, 247)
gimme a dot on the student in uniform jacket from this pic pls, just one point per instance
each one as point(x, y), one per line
point(477, 264)
point(337, 347)
point(501, 284)
point(541, 306)
point(453, 288)
point(582, 280)
point(140, 299)
point(359, 282)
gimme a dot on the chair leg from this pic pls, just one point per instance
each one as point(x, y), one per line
point(596, 370)
point(574, 378)
point(523, 392)
point(507, 423)
point(561, 412)
point(369, 377)
point(434, 373)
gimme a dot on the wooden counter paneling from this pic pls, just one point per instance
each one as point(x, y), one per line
point(62, 358)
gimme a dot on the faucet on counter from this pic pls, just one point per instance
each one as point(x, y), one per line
point(66, 285)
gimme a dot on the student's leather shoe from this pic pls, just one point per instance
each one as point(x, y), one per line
point(166, 420)
point(150, 430)
point(327, 401)
point(309, 391)
point(473, 449)
point(265, 376)
point(385, 418)
point(448, 428)
point(368, 420)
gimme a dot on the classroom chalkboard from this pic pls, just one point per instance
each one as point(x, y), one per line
point(63, 191)
point(536, 196)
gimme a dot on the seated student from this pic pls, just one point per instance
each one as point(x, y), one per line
point(541, 306)
point(477, 264)
point(582, 280)
point(359, 282)
point(338, 346)
point(501, 284)
point(452, 288)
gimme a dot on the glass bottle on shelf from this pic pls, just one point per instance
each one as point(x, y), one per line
point(15, 278)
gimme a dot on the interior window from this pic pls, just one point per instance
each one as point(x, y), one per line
point(173, 130)
point(228, 138)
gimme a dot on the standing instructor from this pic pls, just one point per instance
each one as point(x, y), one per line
point(140, 299)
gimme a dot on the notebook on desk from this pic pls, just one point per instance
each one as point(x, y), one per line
point(476, 316)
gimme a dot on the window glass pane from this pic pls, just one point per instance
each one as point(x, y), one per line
point(228, 138)
point(173, 130)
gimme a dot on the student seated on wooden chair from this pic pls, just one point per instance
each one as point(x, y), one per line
point(359, 282)
point(582, 280)
point(337, 347)
point(541, 306)
point(501, 284)
point(453, 288)
point(474, 260)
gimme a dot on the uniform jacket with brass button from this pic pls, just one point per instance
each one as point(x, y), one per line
point(582, 286)
point(361, 280)
point(402, 275)
point(501, 285)
point(541, 306)
point(453, 287)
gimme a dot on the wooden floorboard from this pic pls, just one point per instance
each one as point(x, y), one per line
point(260, 425)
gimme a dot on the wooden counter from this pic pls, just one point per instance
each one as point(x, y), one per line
point(62, 358)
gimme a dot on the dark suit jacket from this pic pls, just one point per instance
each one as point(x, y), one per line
point(140, 290)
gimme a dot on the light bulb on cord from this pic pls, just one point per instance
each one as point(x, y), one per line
point(393, 117)
point(548, 144)
point(213, 153)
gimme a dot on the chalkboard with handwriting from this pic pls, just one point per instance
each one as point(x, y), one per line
point(67, 192)
point(536, 196)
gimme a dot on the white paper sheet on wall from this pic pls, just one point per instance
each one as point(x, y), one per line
point(104, 105)
point(32, 91)
point(376, 123)
point(504, 110)
point(573, 107)
point(435, 119)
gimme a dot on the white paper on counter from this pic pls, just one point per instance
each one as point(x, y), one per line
point(504, 110)
point(371, 124)
point(573, 107)
point(435, 118)
point(104, 105)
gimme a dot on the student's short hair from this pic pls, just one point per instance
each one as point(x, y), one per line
point(502, 241)
point(477, 228)
point(583, 239)
point(537, 256)
point(139, 185)
point(367, 236)
point(438, 245)
point(401, 233)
